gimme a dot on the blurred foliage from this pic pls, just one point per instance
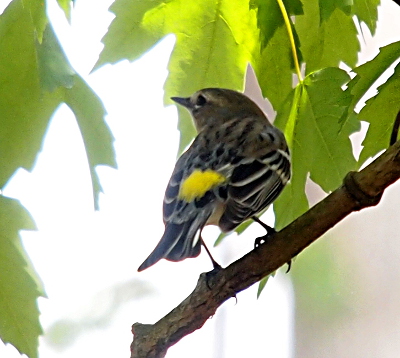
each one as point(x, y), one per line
point(215, 41)
point(35, 78)
point(322, 284)
point(99, 312)
point(19, 284)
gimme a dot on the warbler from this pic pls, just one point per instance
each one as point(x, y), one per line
point(236, 166)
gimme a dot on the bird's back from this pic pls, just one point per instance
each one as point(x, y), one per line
point(237, 165)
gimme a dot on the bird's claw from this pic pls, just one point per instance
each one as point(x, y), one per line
point(260, 240)
point(211, 274)
point(264, 239)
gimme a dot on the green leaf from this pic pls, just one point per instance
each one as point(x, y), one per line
point(97, 138)
point(240, 229)
point(25, 109)
point(269, 16)
point(293, 201)
point(54, 68)
point(367, 12)
point(380, 111)
point(65, 5)
point(37, 12)
point(214, 49)
point(326, 44)
point(319, 145)
point(330, 156)
point(370, 71)
point(261, 285)
point(327, 7)
point(19, 284)
point(214, 43)
point(220, 238)
point(35, 78)
point(273, 67)
point(132, 32)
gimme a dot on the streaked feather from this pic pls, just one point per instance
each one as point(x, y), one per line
point(237, 141)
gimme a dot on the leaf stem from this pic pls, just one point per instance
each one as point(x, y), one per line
point(291, 38)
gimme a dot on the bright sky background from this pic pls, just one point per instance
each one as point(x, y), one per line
point(88, 260)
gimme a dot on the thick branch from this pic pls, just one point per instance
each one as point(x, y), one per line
point(360, 190)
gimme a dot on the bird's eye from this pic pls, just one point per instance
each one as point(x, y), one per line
point(200, 101)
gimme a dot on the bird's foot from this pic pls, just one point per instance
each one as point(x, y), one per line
point(263, 239)
point(210, 276)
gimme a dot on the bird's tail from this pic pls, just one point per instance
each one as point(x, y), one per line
point(177, 243)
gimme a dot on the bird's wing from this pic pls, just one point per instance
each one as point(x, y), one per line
point(253, 186)
point(183, 218)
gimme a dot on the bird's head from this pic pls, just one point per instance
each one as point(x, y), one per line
point(215, 106)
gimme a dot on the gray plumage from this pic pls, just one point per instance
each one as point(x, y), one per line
point(236, 140)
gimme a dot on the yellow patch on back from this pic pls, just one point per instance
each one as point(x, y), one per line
point(198, 183)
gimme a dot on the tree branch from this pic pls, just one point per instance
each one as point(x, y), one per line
point(359, 190)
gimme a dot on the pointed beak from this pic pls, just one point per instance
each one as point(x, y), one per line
point(183, 101)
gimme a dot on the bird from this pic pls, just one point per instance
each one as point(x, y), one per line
point(236, 167)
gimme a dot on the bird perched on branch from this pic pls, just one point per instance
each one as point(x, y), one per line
point(237, 165)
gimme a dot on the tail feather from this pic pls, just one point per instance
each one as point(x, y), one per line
point(175, 245)
point(184, 249)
